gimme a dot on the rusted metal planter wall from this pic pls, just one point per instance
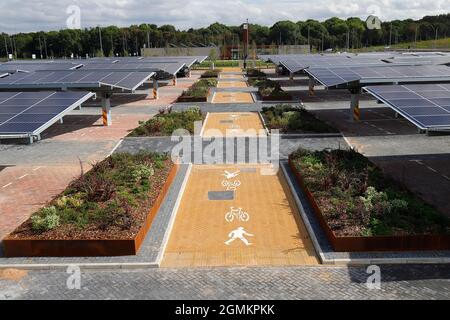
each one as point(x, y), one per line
point(376, 243)
point(88, 248)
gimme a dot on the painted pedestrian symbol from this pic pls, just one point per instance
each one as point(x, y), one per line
point(238, 214)
point(239, 233)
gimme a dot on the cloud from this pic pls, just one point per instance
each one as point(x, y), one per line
point(46, 15)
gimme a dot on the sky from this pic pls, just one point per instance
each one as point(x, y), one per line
point(36, 15)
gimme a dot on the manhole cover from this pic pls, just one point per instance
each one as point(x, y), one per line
point(221, 195)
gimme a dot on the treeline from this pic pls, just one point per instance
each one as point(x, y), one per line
point(333, 33)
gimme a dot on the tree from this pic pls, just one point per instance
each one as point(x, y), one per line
point(284, 32)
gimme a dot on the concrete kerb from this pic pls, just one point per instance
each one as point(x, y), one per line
point(173, 218)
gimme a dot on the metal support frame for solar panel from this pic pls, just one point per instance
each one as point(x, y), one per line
point(41, 102)
point(76, 80)
point(383, 93)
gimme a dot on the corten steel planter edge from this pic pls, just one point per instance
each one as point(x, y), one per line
point(88, 248)
point(375, 243)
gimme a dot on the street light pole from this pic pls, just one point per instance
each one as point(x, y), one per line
point(100, 39)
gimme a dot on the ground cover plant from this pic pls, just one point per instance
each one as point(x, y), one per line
point(200, 89)
point(291, 119)
point(255, 73)
point(210, 74)
point(164, 124)
point(356, 199)
point(111, 201)
point(269, 89)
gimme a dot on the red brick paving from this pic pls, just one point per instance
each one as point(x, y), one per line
point(24, 196)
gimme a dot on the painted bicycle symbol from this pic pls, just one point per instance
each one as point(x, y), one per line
point(231, 185)
point(238, 214)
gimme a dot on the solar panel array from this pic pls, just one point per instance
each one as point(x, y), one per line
point(342, 76)
point(27, 113)
point(91, 80)
point(426, 105)
point(32, 67)
point(295, 65)
point(170, 68)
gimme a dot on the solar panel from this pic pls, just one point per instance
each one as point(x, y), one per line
point(431, 59)
point(38, 66)
point(427, 106)
point(91, 80)
point(299, 63)
point(342, 77)
point(27, 114)
point(171, 68)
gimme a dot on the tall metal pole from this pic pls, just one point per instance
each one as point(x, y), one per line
point(40, 46)
point(100, 39)
point(309, 40)
point(390, 36)
point(322, 41)
point(415, 37)
point(436, 39)
point(6, 47)
point(45, 47)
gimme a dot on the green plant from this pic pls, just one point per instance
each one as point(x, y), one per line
point(356, 199)
point(47, 219)
point(288, 118)
point(166, 124)
point(141, 172)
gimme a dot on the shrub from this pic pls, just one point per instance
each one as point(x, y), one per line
point(200, 89)
point(166, 124)
point(288, 118)
point(47, 219)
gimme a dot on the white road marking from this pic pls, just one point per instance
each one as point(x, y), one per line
point(37, 168)
point(26, 174)
point(7, 185)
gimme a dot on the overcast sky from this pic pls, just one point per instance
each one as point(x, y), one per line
point(35, 15)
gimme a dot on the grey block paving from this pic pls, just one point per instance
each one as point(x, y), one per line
point(289, 283)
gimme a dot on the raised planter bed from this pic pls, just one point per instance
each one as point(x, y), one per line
point(164, 124)
point(276, 98)
point(371, 243)
point(31, 247)
point(199, 91)
point(290, 119)
point(192, 99)
point(211, 74)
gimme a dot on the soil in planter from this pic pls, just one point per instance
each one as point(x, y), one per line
point(356, 199)
point(110, 202)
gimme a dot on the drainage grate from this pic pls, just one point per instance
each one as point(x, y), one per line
point(221, 195)
point(226, 121)
point(248, 170)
